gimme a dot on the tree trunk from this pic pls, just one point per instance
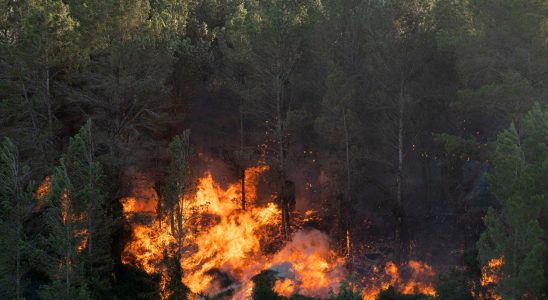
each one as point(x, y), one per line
point(180, 228)
point(514, 264)
point(399, 204)
point(46, 69)
point(242, 175)
point(241, 158)
point(400, 148)
point(68, 256)
point(280, 140)
point(348, 179)
point(19, 230)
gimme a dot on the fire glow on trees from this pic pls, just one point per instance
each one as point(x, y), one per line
point(221, 238)
point(490, 276)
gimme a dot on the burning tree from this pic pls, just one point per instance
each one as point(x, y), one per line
point(77, 237)
point(177, 186)
point(265, 41)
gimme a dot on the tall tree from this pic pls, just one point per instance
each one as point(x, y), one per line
point(514, 233)
point(178, 184)
point(38, 49)
point(77, 226)
point(133, 48)
point(499, 51)
point(267, 39)
point(338, 125)
point(16, 203)
point(398, 52)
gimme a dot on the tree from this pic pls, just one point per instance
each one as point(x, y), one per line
point(338, 125)
point(399, 56)
point(267, 39)
point(16, 203)
point(178, 184)
point(513, 233)
point(133, 48)
point(37, 51)
point(78, 229)
point(498, 53)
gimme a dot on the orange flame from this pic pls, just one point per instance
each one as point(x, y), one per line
point(220, 236)
point(309, 264)
point(43, 189)
point(491, 272)
point(419, 280)
point(490, 276)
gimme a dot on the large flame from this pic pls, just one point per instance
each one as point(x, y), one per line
point(307, 266)
point(222, 239)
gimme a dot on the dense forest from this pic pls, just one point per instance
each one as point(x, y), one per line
point(273, 149)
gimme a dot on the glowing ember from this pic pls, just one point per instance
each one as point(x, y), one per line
point(43, 189)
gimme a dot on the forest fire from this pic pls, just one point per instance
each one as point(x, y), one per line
point(223, 239)
point(490, 277)
point(491, 272)
point(417, 280)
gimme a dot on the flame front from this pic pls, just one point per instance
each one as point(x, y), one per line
point(227, 239)
point(222, 238)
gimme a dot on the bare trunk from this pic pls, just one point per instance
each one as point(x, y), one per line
point(400, 149)
point(172, 222)
point(180, 229)
point(399, 204)
point(68, 256)
point(347, 152)
point(348, 180)
point(91, 207)
point(242, 175)
point(242, 167)
point(19, 230)
point(514, 264)
point(47, 75)
point(280, 140)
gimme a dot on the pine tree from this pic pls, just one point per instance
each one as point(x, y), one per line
point(266, 40)
point(15, 208)
point(338, 125)
point(178, 184)
point(514, 233)
point(38, 49)
point(78, 229)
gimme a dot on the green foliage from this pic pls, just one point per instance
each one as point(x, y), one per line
point(347, 291)
point(514, 232)
point(454, 286)
point(464, 148)
point(76, 250)
point(16, 202)
point(392, 294)
point(179, 168)
point(263, 284)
